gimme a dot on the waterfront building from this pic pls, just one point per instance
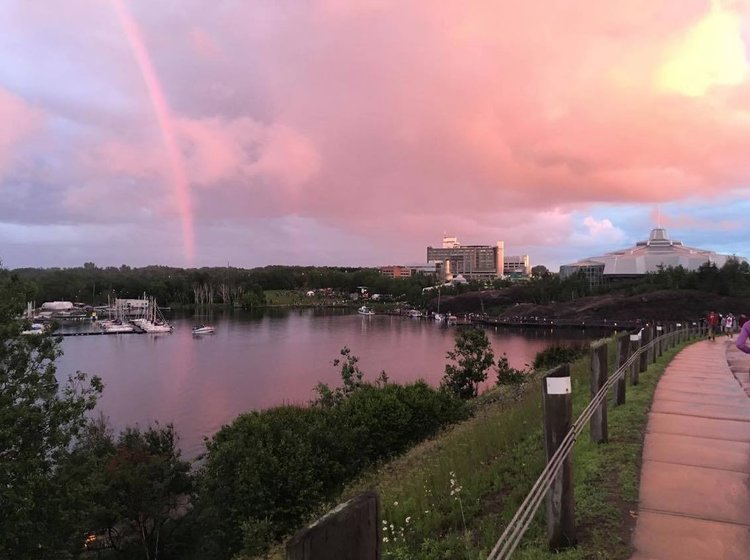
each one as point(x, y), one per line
point(407, 270)
point(395, 271)
point(473, 262)
point(645, 257)
point(517, 265)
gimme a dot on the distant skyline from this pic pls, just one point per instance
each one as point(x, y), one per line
point(331, 132)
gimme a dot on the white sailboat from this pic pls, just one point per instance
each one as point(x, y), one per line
point(118, 325)
point(152, 321)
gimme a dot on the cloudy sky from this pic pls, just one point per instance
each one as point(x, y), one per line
point(255, 132)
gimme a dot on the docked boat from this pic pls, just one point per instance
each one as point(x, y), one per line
point(414, 314)
point(364, 310)
point(204, 329)
point(118, 325)
point(36, 328)
point(152, 320)
point(451, 320)
point(115, 327)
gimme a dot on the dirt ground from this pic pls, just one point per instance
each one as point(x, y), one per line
point(665, 305)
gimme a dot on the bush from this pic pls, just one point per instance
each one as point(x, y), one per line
point(269, 470)
point(556, 355)
point(507, 375)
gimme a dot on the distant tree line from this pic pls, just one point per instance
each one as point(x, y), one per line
point(207, 286)
point(732, 279)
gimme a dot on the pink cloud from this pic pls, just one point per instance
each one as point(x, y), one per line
point(397, 119)
point(203, 44)
point(687, 222)
point(19, 121)
point(218, 150)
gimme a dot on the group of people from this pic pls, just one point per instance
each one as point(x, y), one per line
point(722, 324)
point(727, 325)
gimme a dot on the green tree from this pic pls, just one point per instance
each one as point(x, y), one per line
point(39, 420)
point(539, 271)
point(147, 488)
point(473, 356)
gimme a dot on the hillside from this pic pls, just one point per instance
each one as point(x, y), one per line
point(670, 305)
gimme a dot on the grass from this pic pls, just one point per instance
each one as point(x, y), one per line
point(451, 497)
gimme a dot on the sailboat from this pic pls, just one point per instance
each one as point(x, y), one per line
point(118, 325)
point(152, 321)
point(438, 317)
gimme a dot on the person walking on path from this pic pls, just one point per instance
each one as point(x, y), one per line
point(741, 343)
point(729, 325)
point(713, 322)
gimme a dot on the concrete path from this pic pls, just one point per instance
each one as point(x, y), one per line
point(695, 480)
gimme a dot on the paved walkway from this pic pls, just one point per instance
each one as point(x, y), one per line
point(695, 480)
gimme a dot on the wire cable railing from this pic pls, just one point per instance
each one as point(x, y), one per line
point(517, 527)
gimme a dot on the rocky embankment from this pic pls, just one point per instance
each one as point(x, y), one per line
point(666, 305)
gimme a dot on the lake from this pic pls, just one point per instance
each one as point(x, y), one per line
point(261, 359)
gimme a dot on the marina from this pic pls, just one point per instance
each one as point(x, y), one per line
point(260, 359)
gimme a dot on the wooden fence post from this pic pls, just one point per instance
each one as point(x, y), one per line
point(652, 352)
point(645, 339)
point(678, 330)
point(599, 374)
point(350, 531)
point(635, 345)
point(659, 333)
point(623, 349)
point(558, 418)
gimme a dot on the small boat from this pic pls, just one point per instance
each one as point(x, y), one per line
point(451, 320)
point(364, 310)
point(414, 314)
point(36, 328)
point(118, 328)
point(204, 329)
point(439, 317)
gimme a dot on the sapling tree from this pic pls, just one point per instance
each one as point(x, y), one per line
point(472, 357)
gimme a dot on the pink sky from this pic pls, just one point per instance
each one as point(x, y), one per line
point(336, 132)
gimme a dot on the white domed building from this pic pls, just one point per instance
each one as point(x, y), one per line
point(646, 257)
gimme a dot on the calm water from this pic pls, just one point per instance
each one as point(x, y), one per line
point(256, 361)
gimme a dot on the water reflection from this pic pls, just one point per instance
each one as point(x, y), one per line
point(260, 359)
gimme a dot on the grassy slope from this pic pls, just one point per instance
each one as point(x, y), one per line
point(493, 460)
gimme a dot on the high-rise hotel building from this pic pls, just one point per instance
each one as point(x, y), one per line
point(479, 262)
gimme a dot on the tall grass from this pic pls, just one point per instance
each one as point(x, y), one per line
point(494, 458)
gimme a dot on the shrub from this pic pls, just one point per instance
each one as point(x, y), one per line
point(556, 355)
point(507, 375)
point(269, 470)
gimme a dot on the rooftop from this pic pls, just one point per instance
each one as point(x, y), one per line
point(649, 255)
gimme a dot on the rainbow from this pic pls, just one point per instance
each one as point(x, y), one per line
point(175, 160)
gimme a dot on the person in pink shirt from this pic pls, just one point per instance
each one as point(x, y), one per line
point(744, 334)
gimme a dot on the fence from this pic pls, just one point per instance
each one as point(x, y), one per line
point(352, 529)
point(560, 525)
